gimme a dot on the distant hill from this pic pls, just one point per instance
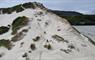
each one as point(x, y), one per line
point(76, 18)
point(66, 13)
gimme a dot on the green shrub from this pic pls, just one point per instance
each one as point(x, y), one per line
point(28, 5)
point(18, 8)
point(5, 43)
point(48, 46)
point(33, 47)
point(29, 51)
point(19, 36)
point(18, 23)
point(3, 29)
point(25, 30)
point(37, 38)
point(4, 10)
point(7, 10)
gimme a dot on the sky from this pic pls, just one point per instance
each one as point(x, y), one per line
point(83, 6)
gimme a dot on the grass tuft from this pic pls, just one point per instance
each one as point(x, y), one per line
point(3, 30)
point(5, 43)
point(19, 23)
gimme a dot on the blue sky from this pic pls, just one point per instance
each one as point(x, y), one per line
point(84, 6)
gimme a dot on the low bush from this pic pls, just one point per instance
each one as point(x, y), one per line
point(5, 43)
point(7, 10)
point(18, 23)
point(3, 29)
point(18, 8)
point(48, 46)
point(37, 38)
point(17, 37)
point(28, 5)
point(33, 47)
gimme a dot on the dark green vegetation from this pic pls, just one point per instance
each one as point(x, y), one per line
point(37, 38)
point(21, 7)
point(7, 10)
point(76, 18)
point(18, 23)
point(29, 51)
point(16, 8)
point(28, 5)
point(19, 36)
point(48, 46)
point(3, 29)
point(81, 19)
point(5, 43)
point(66, 13)
point(32, 46)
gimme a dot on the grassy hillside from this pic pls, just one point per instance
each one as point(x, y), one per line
point(81, 19)
point(76, 18)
